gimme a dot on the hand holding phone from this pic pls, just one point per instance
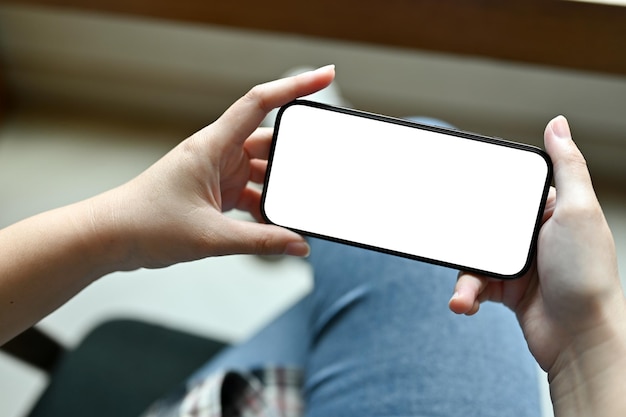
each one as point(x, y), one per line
point(427, 193)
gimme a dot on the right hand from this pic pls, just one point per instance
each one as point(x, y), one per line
point(571, 299)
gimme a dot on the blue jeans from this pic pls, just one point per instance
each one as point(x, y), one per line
point(375, 338)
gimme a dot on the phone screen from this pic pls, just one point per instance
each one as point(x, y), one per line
point(432, 194)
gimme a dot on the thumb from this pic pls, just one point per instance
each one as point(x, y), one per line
point(262, 239)
point(571, 175)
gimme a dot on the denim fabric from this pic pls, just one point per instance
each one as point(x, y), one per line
point(375, 338)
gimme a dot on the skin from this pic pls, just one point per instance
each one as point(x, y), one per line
point(570, 305)
point(172, 212)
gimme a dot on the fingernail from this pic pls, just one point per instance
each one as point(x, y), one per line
point(560, 127)
point(297, 249)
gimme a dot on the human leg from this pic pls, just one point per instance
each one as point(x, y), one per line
point(376, 338)
point(282, 343)
point(383, 343)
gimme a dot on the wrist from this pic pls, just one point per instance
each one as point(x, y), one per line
point(105, 236)
point(588, 377)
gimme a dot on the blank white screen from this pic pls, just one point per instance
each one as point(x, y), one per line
point(449, 199)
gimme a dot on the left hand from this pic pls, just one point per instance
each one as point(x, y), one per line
point(173, 212)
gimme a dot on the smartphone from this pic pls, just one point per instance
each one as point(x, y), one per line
point(428, 193)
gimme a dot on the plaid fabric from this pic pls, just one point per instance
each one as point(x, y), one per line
point(271, 392)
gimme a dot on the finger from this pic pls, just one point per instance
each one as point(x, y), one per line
point(550, 205)
point(262, 239)
point(247, 113)
point(258, 168)
point(250, 201)
point(571, 176)
point(258, 145)
point(467, 293)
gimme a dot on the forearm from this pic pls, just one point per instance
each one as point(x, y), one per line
point(48, 258)
point(169, 214)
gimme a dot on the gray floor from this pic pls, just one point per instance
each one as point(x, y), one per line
point(47, 161)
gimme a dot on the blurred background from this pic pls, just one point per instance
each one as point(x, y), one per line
point(94, 92)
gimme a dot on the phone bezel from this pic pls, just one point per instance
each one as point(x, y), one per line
point(437, 129)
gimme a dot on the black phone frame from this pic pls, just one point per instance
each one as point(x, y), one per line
point(437, 129)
